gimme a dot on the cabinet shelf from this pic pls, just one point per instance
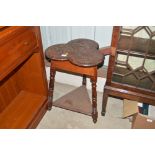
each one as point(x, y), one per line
point(13, 64)
point(26, 105)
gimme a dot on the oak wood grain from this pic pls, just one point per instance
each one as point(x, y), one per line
point(23, 83)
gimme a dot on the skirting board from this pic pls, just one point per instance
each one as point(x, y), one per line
point(75, 80)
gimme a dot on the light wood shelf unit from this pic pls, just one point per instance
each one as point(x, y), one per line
point(23, 83)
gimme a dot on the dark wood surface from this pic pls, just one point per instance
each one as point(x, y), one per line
point(77, 100)
point(23, 83)
point(81, 52)
point(120, 89)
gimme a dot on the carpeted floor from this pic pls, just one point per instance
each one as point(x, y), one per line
point(59, 118)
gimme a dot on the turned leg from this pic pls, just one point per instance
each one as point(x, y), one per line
point(51, 88)
point(94, 99)
point(84, 80)
point(104, 102)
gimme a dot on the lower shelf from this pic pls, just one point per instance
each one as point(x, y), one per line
point(77, 100)
point(22, 111)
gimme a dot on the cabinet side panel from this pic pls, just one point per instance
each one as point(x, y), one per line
point(30, 76)
point(8, 91)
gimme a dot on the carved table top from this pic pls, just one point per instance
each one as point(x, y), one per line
point(81, 52)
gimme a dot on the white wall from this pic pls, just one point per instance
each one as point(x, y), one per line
point(103, 36)
point(61, 34)
point(82, 32)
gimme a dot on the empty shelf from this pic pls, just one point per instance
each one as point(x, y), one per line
point(22, 110)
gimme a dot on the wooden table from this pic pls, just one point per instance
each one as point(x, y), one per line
point(79, 56)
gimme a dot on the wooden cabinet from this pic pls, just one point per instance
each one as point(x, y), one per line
point(23, 83)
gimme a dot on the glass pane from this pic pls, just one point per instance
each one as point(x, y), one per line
point(135, 60)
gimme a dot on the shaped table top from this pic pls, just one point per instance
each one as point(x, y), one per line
point(81, 52)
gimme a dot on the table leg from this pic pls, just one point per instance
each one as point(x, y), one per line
point(94, 99)
point(84, 80)
point(104, 102)
point(51, 88)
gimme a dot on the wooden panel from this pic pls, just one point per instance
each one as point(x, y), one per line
point(67, 66)
point(26, 105)
point(8, 91)
point(22, 43)
point(130, 95)
point(32, 80)
point(34, 123)
point(15, 49)
point(40, 58)
point(10, 32)
point(78, 100)
point(2, 27)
